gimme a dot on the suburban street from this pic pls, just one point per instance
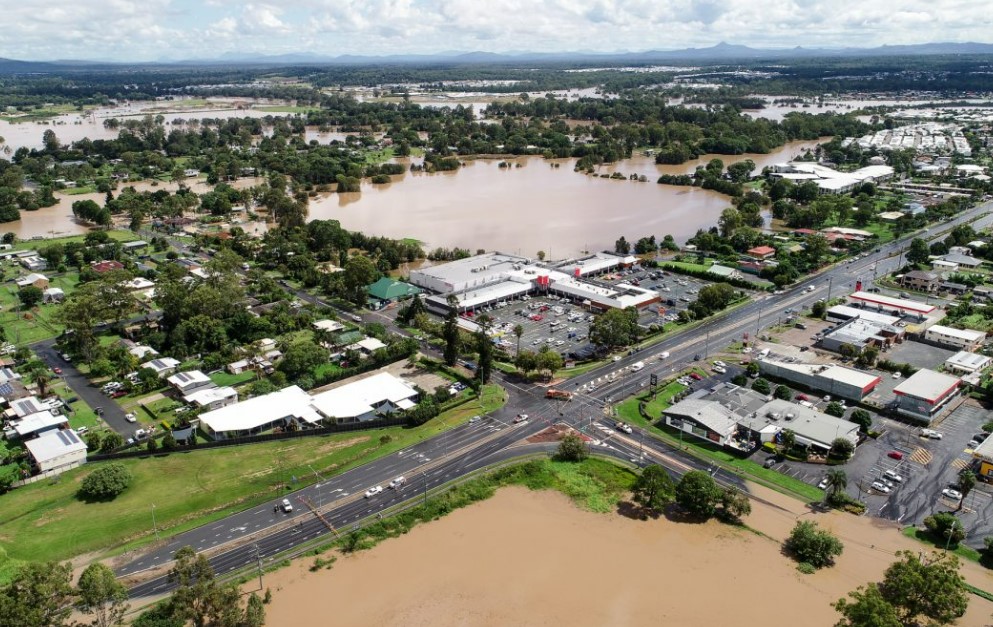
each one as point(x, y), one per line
point(472, 446)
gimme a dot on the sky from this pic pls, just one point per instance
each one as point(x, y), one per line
point(151, 30)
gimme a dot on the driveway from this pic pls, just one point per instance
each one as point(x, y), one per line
point(113, 415)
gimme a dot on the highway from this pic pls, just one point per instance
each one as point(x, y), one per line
point(231, 542)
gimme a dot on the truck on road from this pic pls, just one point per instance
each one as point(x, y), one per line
point(561, 395)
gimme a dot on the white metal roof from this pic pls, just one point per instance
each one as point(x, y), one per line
point(865, 314)
point(38, 421)
point(968, 361)
point(206, 396)
point(262, 410)
point(927, 384)
point(183, 380)
point(54, 444)
point(710, 414)
point(968, 335)
point(158, 365)
point(362, 396)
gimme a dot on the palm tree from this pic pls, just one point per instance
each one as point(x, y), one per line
point(518, 332)
point(41, 376)
point(837, 480)
point(967, 481)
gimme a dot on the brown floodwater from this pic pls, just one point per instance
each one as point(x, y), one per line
point(533, 558)
point(536, 206)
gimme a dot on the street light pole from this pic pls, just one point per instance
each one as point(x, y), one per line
point(154, 524)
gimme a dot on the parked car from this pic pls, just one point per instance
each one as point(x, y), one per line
point(823, 484)
point(892, 476)
point(286, 506)
point(118, 394)
point(130, 417)
point(373, 491)
point(879, 486)
point(695, 376)
point(802, 397)
point(895, 455)
point(952, 493)
point(931, 433)
point(897, 375)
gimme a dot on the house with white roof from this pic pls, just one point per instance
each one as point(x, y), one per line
point(140, 351)
point(34, 279)
point(56, 451)
point(211, 398)
point(289, 406)
point(187, 382)
point(163, 367)
point(38, 423)
point(366, 399)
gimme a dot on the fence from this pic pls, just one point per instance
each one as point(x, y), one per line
point(48, 474)
point(252, 439)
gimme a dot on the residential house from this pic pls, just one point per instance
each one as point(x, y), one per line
point(921, 281)
point(187, 382)
point(163, 367)
point(101, 267)
point(56, 451)
point(53, 295)
point(762, 252)
point(34, 279)
point(33, 263)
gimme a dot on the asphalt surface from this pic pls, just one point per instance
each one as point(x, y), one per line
point(451, 455)
point(113, 415)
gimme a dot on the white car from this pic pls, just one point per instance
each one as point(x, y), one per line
point(823, 484)
point(892, 476)
point(475, 419)
point(373, 491)
point(931, 433)
point(719, 369)
point(664, 355)
point(521, 418)
point(626, 428)
point(720, 364)
point(897, 375)
point(952, 493)
point(286, 506)
point(396, 483)
point(879, 486)
point(130, 417)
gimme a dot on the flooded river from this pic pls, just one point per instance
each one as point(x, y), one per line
point(536, 206)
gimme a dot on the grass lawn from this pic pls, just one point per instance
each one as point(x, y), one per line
point(222, 379)
point(25, 327)
point(44, 520)
point(963, 551)
point(692, 267)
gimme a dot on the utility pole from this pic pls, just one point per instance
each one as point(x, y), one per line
point(258, 561)
point(154, 525)
point(828, 299)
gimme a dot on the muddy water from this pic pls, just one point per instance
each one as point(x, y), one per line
point(536, 206)
point(524, 558)
point(58, 221)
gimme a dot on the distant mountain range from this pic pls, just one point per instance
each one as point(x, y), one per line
point(722, 52)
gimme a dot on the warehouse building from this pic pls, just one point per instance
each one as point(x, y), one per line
point(923, 395)
point(896, 306)
point(838, 381)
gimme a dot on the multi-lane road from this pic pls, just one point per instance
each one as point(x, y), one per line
point(262, 532)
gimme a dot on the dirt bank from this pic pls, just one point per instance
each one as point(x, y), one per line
point(533, 558)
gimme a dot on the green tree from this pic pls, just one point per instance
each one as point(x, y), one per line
point(834, 408)
point(106, 482)
point(698, 493)
point(548, 360)
point(254, 612)
point(169, 442)
point(301, 358)
point(526, 361)
point(967, 481)
point(787, 440)
point(812, 545)
point(614, 328)
point(862, 418)
point(484, 347)
point(734, 504)
point(919, 252)
point(841, 448)
point(818, 309)
point(925, 588)
point(30, 296)
point(761, 386)
point(359, 272)
point(518, 332)
point(837, 481)
point(867, 608)
point(572, 448)
point(783, 392)
point(654, 488)
point(102, 596)
point(450, 333)
point(945, 527)
point(39, 595)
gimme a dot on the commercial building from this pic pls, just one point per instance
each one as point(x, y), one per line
point(742, 419)
point(984, 454)
point(896, 306)
point(843, 313)
point(838, 381)
point(56, 451)
point(963, 339)
point(828, 180)
point(366, 399)
point(492, 278)
point(390, 290)
point(289, 406)
point(860, 333)
point(925, 394)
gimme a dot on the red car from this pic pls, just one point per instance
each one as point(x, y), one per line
point(537, 318)
point(57, 370)
point(118, 394)
point(695, 376)
point(802, 397)
point(543, 308)
point(895, 454)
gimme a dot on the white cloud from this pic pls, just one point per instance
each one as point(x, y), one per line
point(152, 29)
